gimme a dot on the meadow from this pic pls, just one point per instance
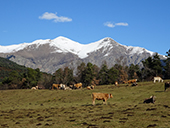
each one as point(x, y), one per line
point(73, 108)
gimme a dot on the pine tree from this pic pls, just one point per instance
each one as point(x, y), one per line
point(88, 74)
point(167, 66)
point(103, 74)
point(58, 76)
point(157, 66)
point(80, 70)
point(112, 75)
point(152, 67)
point(134, 72)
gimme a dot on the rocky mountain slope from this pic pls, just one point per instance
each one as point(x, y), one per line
point(49, 55)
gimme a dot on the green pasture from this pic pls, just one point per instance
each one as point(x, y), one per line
point(73, 108)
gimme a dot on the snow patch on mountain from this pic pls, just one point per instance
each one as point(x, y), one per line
point(65, 45)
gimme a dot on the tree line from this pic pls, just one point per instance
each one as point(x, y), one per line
point(90, 74)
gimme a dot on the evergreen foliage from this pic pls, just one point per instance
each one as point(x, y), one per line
point(14, 76)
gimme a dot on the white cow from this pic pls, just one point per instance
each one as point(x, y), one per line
point(62, 86)
point(34, 88)
point(157, 79)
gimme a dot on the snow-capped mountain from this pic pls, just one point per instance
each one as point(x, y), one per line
point(49, 55)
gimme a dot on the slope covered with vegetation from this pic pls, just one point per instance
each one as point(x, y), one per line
point(7, 66)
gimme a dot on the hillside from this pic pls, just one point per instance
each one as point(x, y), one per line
point(7, 66)
point(49, 55)
point(73, 108)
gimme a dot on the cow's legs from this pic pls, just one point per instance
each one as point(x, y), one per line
point(93, 102)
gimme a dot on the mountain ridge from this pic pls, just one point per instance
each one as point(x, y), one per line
point(49, 55)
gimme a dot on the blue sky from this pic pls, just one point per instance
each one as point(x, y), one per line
point(143, 23)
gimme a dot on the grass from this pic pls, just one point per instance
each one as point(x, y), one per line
point(74, 109)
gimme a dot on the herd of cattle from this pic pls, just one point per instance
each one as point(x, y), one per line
point(105, 96)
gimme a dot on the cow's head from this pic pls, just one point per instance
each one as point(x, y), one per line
point(111, 96)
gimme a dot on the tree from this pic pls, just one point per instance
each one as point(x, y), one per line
point(134, 72)
point(152, 67)
point(167, 66)
point(112, 75)
point(80, 70)
point(58, 76)
point(157, 65)
point(122, 72)
point(67, 76)
point(88, 74)
point(103, 74)
point(33, 76)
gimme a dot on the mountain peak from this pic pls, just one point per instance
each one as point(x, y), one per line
point(51, 54)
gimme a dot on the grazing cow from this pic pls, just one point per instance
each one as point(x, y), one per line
point(125, 82)
point(116, 83)
point(34, 88)
point(134, 84)
point(55, 86)
point(167, 85)
point(101, 96)
point(90, 87)
point(150, 100)
point(157, 79)
point(68, 88)
point(62, 86)
point(78, 85)
point(132, 81)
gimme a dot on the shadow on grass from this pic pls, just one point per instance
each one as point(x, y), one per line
point(98, 104)
point(159, 91)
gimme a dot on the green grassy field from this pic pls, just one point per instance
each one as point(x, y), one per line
point(74, 109)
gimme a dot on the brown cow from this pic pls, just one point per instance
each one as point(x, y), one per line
point(101, 96)
point(78, 85)
point(116, 83)
point(88, 87)
point(132, 81)
point(55, 86)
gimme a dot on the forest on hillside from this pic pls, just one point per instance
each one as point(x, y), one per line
point(14, 76)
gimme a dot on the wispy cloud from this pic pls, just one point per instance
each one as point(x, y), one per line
point(112, 25)
point(54, 17)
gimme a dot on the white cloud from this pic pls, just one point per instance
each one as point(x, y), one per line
point(112, 25)
point(121, 24)
point(109, 24)
point(53, 16)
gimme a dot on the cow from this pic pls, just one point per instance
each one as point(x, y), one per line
point(101, 96)
point(157, 79)
point(167, 85)
point(134, 84)
point(71, 86)
point(150, 100)
point(90, 87)
point(62, 86)
point(132, 81)
point(34, 88)
point(68, 88)
point(78, 85)
point(116, 83)
point(55, 86)
point(125, 82)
